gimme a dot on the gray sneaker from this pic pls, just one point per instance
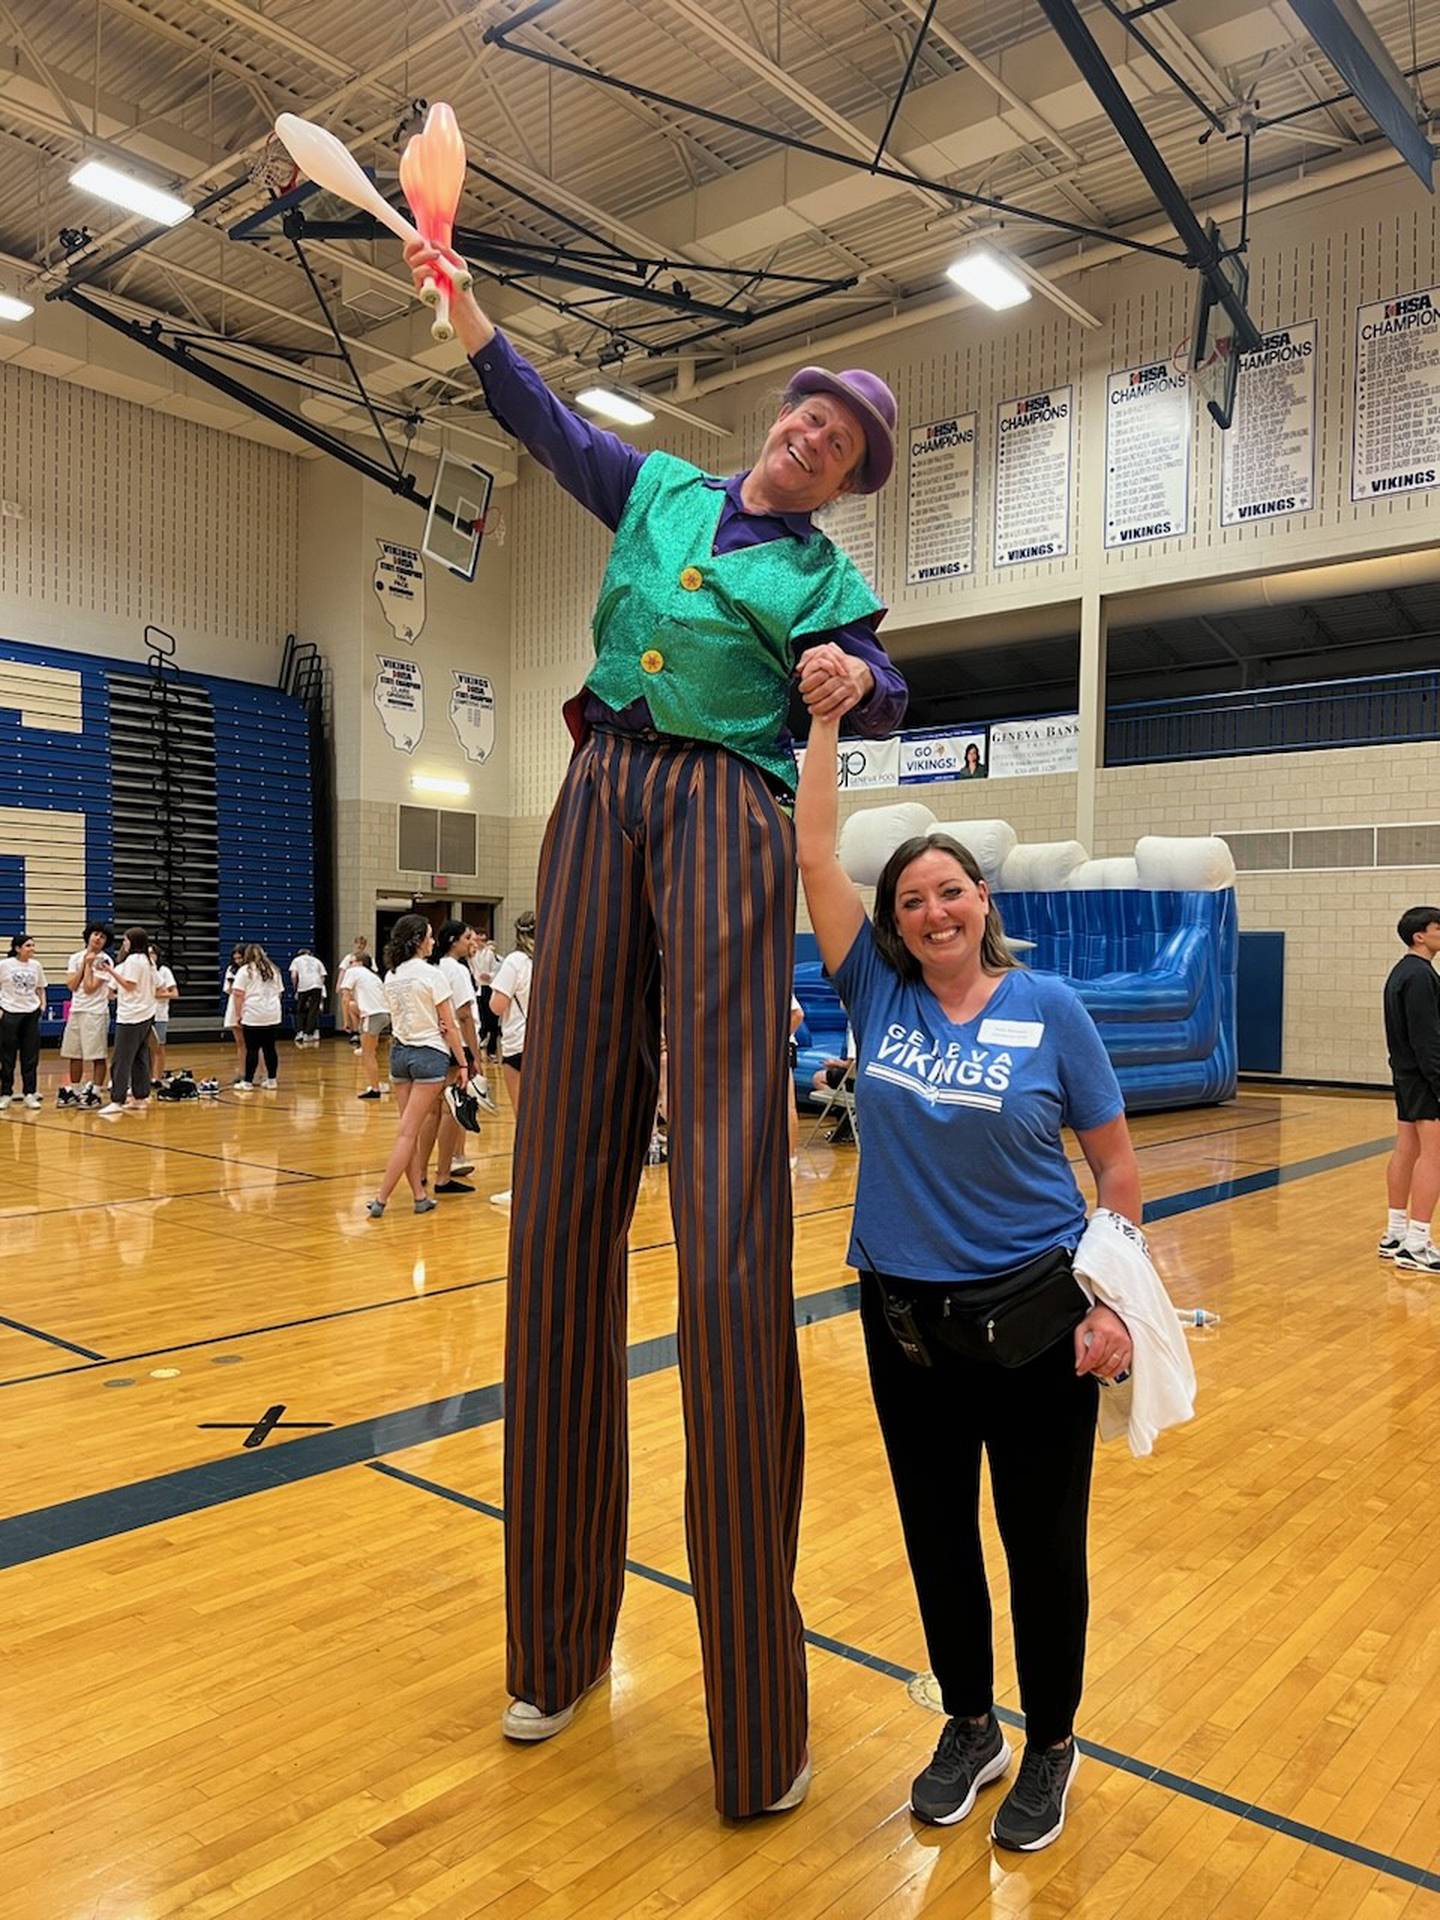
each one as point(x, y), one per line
point(968, 1757)
point(1032, 1814)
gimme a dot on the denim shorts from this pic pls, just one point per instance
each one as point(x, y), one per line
point(418, 1063)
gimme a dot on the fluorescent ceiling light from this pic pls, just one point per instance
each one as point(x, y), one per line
point(13, 309)
point(430, 783)
point(986, 276)
point(136, 196)
point(614, 406)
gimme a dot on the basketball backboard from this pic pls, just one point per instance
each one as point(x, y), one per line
point(456, 520)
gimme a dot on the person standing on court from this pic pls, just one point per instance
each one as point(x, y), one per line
point(510, 1002)
point(1412, 1038)
point(133, 978)
point(672, 836)
point(979, 1336)
point(22, 1001)
point(84, 1043)
point(484, 965)
point(307, 977)
point(258, 1010)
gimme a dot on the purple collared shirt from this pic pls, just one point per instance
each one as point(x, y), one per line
point(599, 469)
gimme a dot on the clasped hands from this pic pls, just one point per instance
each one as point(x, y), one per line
point(832, 681)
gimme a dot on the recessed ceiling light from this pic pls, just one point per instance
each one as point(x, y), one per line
point(136, 196)
point(989, 279)
point(13, 309)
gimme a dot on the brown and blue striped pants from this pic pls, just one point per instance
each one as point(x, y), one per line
point(663, 862)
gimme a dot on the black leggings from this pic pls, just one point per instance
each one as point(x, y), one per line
point(1036, 1425)
point(130, 1062)
point(19, 1034)
point(259, 1040)
point(307, 1010)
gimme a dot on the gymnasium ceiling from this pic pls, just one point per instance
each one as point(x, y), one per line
point(186, 90)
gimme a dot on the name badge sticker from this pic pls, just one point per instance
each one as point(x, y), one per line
point(1011, 1033)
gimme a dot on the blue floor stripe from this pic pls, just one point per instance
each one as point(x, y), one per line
point(1109, 1756)
point(53, 1340)
point(26, 1537)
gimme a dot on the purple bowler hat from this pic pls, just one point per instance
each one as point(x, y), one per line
point(873, 405)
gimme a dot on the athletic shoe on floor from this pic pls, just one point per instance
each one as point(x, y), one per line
point(370, 1093)
point(797, 1789)
point(426, 1205)
point(108, 1111)
point(269, 1085)
point(246, 1086)
point(1389, 1247)
point(453, 1186)
point(521, 1721)
point(5, 1099)
point(33, 1100)
point(500, 1199)
point(1419, 1259)
point(90, 1098)
point(375, 1208)
point(968, 1757)
point(68, 1097)
point(1032, 1814)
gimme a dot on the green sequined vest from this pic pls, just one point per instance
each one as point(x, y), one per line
point(705, 639)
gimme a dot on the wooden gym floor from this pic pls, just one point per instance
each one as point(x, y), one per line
point(265, 1681)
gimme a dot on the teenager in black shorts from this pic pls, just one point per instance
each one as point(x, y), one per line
point(1412, 1035)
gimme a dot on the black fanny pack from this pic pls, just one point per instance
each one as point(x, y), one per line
point(1007, 1322)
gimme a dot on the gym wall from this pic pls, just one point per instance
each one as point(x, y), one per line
point(1317, 259)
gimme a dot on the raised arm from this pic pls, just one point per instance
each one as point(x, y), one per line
point(836, 911)
point(597, 468)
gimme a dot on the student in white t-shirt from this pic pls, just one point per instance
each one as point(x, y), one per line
point(307, 977)
point(231, 1021)
point(22, 1000)
point(349, 1016)
point(510, 1003)
point(257, 990)
point(84, 1043)
point(454, 945)
point(367, 995)
point(485, 964)
point(133, 978)
point(166, 990)
point(426, 1041)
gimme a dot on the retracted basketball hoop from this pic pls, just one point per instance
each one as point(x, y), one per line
point(1223, 330)
point(455, 524)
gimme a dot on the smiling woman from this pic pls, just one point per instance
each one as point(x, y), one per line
point(978, 1335)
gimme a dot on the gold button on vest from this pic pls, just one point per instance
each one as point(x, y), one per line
point(651, 660)
point(692, 579)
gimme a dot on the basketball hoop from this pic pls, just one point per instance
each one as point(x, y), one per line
point(274, 170)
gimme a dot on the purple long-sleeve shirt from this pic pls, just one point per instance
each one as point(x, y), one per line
point(599, 469)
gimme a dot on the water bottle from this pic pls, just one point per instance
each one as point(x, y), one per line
point(1196, 1317)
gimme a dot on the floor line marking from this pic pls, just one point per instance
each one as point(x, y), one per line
point(1153, 1775)
point(54, 1340)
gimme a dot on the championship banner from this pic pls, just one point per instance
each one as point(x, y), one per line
point(399, 583)
point(472, 714)
point(400, 701)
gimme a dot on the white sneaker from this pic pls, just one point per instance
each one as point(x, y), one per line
point(33, 1100)
point(270, 1085)
point(796, 1791)
point(246, 1086)
point(5, 1099)
point(521, 1721)
point(110, 1109)
point(502, 1200)
point(482, 1095)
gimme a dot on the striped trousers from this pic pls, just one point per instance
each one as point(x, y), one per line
point(663, 863)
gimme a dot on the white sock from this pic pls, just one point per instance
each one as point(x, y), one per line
point(1399, 1221)
point(1418, 1236)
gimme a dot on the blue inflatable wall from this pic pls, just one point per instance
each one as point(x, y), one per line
point(1157, 972)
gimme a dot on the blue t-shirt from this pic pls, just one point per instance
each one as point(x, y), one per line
point(963, 1174)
